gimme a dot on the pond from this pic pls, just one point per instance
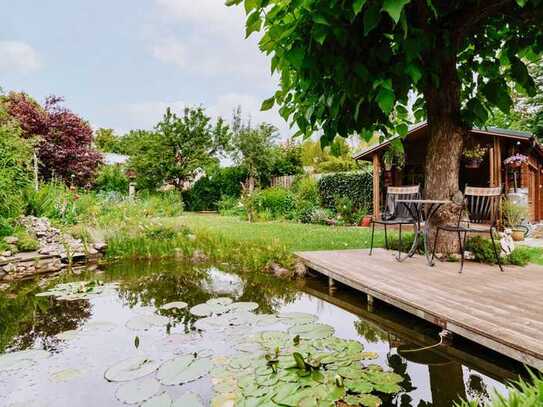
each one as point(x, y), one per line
point(130, 335)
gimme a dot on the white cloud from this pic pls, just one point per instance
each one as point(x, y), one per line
point(18, 57)
point(206, 37)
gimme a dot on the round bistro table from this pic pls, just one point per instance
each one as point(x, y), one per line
point(422, 210)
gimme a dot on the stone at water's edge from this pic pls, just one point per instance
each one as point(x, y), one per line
point(51, 256)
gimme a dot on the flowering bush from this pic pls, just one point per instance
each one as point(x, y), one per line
point(515, 160)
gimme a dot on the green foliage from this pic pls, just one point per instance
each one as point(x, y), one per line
point(287, 160)
point(230, 206)
point(112, 178)
point(15, 167)
point(52, 200)
point(6, 228)
point(350, 67)
point(334, 164)
point(513, 214)
point(483, 252)
point(220, 182)
point(107, 141)
point(277, 202)
point(357, 186)
point(26, 242)
point(522, 393)
point(178, 149)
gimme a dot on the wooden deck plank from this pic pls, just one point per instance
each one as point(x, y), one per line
point(502, 311)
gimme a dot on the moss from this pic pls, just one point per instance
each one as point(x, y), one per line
point(26, 242)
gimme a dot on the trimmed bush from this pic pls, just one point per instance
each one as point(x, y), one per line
point(112, 178)
point(206, 193)
point(483, 252)
point(357, 186)
point(274, 202)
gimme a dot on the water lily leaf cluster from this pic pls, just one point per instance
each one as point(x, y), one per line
point(78, 290)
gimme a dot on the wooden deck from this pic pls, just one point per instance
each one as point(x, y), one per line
point(501, 311)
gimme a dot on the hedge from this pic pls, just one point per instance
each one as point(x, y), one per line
point(358, 186)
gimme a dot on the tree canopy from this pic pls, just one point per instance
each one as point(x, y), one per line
point(349, 66)
point(178, 148)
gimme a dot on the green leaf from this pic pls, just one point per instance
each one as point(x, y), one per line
point(402, 129)
point(320, 19)
point(371, 18)
point(385, 100)
point(295, 56)
point(497, 93)
point(414, 72)
point(250, 5)
point(357, 6)
point(521, 3)
point(520, 74)
point(319, 33)
point(394, 8)
point(229, 3)
point(254, 22)
point(267, 104)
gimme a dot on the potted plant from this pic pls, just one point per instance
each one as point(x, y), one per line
point(515, 161)
point(393, 157)
point(473, 156)
point(512, 215)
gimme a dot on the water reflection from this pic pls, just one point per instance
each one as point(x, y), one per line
point(432, 377)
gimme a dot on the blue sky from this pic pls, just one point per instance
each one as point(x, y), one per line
point(120, 63)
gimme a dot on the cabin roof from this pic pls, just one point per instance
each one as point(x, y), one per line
point(490, 131)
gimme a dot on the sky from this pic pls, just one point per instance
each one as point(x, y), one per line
point(120, 63)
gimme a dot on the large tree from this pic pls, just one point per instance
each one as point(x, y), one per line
point(178, 148)
point(349, 66)
point(63, 138)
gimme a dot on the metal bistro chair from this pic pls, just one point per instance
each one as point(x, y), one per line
point(396, 214)
point(481, 205)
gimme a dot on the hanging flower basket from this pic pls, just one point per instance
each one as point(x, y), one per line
point(473, 162)
point(515, 161)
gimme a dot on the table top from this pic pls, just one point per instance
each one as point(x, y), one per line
point(424, 201)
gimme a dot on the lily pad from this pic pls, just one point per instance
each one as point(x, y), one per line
point(188, 399)
point(66, 375)
point(21, 360)
point(183, 369)
point(312, 331)
point(131, 369)
point(206, 310)
point(161, 400)
point(145, 322)
point(359, 386)
point(297, 318)
point(137, 391)
point(243, 306)
point(223, 301)
point(174, 305)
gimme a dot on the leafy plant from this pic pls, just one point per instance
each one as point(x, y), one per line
point(483, 252)
point(357, 186)
point(475, 152)
point(344, 209)
point(26, 242)
point(513, 214)
point(278, 201)
point(112, 178)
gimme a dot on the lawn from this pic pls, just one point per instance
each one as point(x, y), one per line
point(293, 236)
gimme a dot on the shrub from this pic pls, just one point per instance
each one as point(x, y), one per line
point(357, 186)
point(306, 198)
point(112, 178)
point(483, 252)
point(335, 164)
point(278, 201)
point(230, 206)
point(344, 209)
point(206, 193)
point(15, 167)
point(52, 200)
point(5, 228)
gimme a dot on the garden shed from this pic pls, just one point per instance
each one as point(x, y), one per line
point(492, 157)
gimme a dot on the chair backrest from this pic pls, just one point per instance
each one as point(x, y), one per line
point(482, 203)
point(396, 193)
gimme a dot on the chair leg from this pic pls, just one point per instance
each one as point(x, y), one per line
point(400, 242)
point(372, 233)
point(495, 250)
point(461, 252)
point(435, 244)
point(386, 238)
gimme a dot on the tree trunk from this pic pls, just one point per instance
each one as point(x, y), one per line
point(446, 141)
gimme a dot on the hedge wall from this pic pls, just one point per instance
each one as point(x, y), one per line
point(358, 186)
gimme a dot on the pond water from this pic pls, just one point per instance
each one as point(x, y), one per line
point(87, 334)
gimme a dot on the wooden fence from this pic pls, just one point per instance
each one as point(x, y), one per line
point(286, 181)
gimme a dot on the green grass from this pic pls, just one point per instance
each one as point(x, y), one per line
point(292, 236)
